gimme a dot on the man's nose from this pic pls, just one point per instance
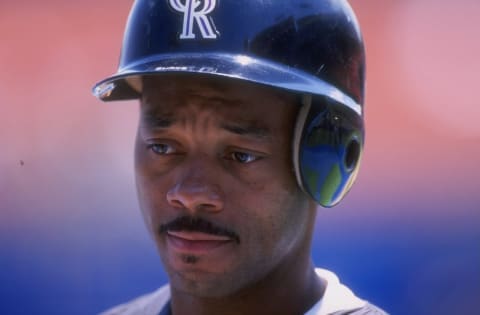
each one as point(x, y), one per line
point(196, 190)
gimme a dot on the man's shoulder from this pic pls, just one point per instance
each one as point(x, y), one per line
point(148, 304)
point(368, 309)
point(340, 300)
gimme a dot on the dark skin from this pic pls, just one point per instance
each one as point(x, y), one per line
point(216, 153)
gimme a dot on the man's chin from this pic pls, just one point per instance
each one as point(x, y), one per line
point(205, 272)
point(202, 285)
point(196, 261)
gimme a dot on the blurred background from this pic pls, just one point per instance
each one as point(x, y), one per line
point(72, 240)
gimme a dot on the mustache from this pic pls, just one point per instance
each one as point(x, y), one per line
point(197, 224)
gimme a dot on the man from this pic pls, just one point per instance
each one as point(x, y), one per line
point(250, 116)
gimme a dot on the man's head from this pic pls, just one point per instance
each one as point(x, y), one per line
point(251, 114)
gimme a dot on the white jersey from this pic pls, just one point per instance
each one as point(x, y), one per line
point(337, 300)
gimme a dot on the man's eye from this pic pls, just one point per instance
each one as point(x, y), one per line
point(243, 157)
point(161, 148)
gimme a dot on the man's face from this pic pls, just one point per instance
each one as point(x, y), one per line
point(216, 184)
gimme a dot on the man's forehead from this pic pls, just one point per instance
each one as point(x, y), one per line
point(229, 118)
point(191, 105)
point(237, 106)
point(166, 96)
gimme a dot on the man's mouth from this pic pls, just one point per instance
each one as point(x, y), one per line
point(198, 236)
point(196, 242)
point(195, 235)
point(197, 229)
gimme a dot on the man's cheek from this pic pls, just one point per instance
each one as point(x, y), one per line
point(150, 206)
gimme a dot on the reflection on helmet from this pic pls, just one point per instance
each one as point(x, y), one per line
point(310, 47)
point(334, 137)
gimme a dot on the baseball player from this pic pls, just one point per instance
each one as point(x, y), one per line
point(251, 115)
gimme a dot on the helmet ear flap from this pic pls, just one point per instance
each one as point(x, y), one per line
point(328, 144)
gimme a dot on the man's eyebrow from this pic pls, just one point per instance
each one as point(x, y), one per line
point(250, 130)
point(155, 121)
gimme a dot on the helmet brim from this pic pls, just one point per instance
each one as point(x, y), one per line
point(127, 84)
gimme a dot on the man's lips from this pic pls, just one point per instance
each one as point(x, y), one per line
point(198, 236)
point(196, 242)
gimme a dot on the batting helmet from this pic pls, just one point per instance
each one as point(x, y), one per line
point(311, 47)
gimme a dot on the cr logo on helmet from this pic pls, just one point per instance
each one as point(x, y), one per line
point(192, 13)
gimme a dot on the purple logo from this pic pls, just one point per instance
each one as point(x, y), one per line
point(196, 12)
